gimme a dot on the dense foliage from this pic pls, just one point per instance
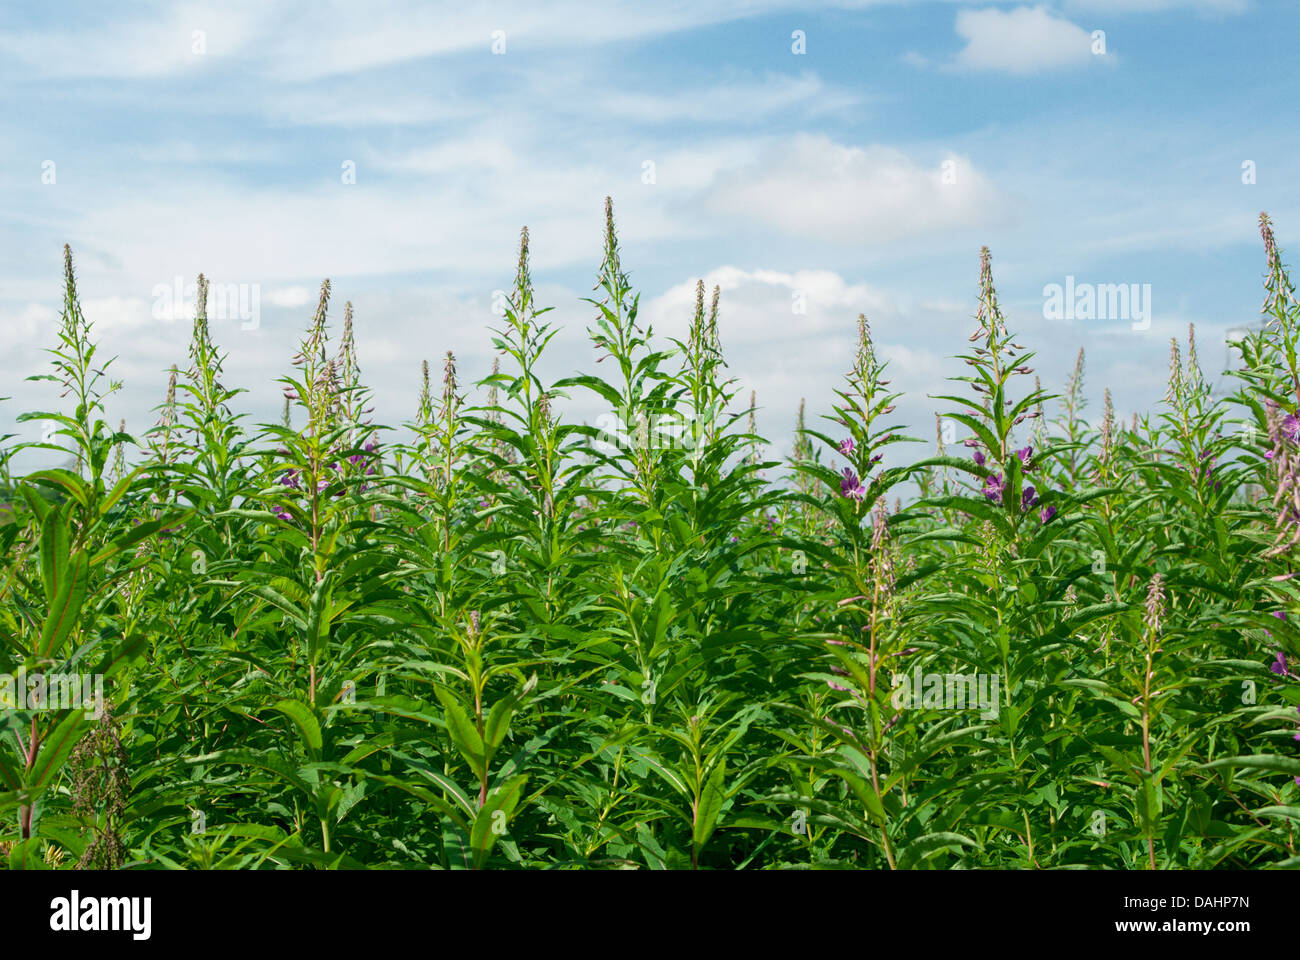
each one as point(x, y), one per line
point(490, 638)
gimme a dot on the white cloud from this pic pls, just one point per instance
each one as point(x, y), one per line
point(812, 186)
point(759, 306)
point(117, 314)
point(786, 356)
point(328, 38)
point(1155, 6)
point(307, 41)
point(472, 153)
point(289, 297)
point(160, 43)
point(741, 100)
point(1022, 41)
point(31, 322)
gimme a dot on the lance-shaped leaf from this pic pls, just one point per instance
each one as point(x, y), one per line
point(306, 723)
point(72, 581)
point(491, 822)
point(318, 620)
point(55, 747)
point(498, 721)
point(56, 548)
point(710, 806)
point(463, 733)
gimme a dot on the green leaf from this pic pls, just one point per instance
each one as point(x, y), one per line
point(498, 721)
point(26, 854)
point(72, 583)
point(260, 760)
point(1267, 763)
point(710, 806)
point(464, 734)
point(55, 551)
point(64, 480)
point(491, 822)
point(307, 724)
point(55, 747)
point(922, 848)
point(9, 775)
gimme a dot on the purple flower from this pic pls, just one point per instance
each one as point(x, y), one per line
point(970, 442)
point(371, 446)
point(1291, 427)
point(283, 515)
point(994, 486)
point(289, 480)
point(979, 458)
point(1278, 666)
point(1281, 615)
point(1209, 467)
point(1028, 499)
point(851, 486)
point(1024, 456)
point(1047, 514)
point(846, 447)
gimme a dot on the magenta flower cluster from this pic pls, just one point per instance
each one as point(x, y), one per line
point(851, 485)
point(292, 478)
point(995, 484)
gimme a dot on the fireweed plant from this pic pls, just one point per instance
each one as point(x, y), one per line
point(492, 638)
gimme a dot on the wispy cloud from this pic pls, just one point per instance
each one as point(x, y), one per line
point(813, 186)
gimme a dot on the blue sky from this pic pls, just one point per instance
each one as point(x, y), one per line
point(182, 138)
